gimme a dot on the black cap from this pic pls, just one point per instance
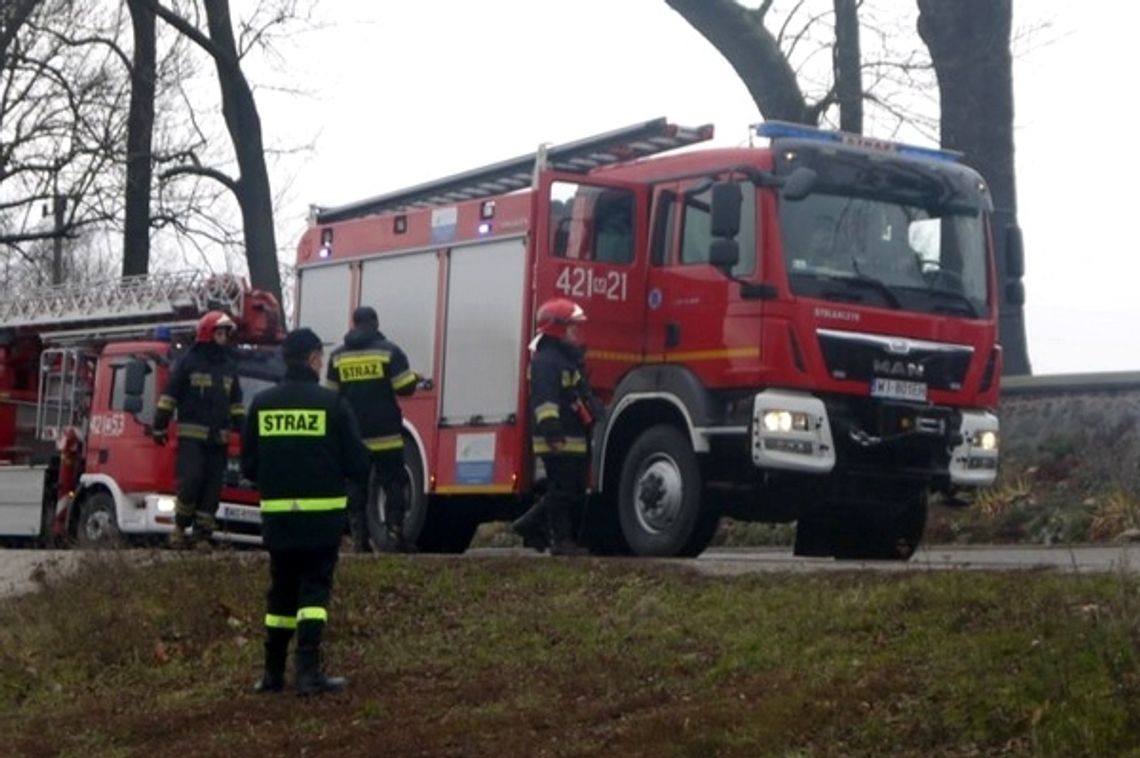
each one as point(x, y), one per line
point(365, 314)
point(300, 342)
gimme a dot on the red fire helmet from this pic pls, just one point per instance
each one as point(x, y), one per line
point(211, 322)
point(555, 315)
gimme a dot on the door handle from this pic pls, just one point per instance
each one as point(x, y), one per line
point(672, 334)
point(104, 454)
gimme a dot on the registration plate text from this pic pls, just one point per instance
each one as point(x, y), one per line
point(898, 389)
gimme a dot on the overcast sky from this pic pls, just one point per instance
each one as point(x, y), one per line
point(411, 91)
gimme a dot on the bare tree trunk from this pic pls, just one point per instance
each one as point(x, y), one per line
point(140, 128)
point(740, 36)
point(251, 188)
point(969, 42)
point(244, 126)
point(847, 61)
point(13, 14)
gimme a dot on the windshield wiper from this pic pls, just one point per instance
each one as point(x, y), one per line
point(878, 285)
point(962, 299)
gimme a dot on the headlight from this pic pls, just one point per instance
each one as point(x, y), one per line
point(164, 505)
point(785, 421)
point(986, 440)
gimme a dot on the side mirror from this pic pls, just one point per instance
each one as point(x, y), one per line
point(724, 253)
point(1015, 292)
point(798, 184)
point(1014, 253)
point(725, 213)
point(135, 380)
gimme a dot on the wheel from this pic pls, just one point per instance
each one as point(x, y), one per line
point(659, 497)
point(415, 515)
point(601, 527)
point(450, 525)
point(892, 531)
point(98, 526)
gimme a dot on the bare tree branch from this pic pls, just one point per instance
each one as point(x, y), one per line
point(740, 36)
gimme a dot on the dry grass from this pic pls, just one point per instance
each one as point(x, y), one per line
point(461, 657)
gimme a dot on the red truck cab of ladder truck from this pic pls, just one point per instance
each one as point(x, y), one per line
point(801, 331)
point(81, 368)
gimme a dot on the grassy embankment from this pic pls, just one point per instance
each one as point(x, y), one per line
point(554, 657)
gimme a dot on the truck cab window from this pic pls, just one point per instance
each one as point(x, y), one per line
point(119, 395)
point(590, 223)
point(696, 233)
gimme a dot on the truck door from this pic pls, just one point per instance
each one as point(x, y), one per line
point(118, 442)
point(696, 314)
point(591, 248)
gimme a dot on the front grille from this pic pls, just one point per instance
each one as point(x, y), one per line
point(861, 357)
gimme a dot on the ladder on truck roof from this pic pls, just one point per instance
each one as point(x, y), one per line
point(608, 148)
point(87, 310)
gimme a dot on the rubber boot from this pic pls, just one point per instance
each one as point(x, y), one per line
point(310, 679)
point(532, 527)
point(358, 526)
point(178, 539)
point(204, 526)
point(398, 541)
point(562, 534)
point(276, 653)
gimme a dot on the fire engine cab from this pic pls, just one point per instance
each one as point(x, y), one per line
point(801, 331)
point(81, 367)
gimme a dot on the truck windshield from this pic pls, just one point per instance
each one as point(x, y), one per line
point(887, 253)
point(258, 369)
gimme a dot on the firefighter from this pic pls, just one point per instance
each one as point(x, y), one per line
point(369, 371)
point(564, 413)
point(300, 444)
point(204, 388)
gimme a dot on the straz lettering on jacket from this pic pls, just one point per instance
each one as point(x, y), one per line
point(291, 423)
point(202, 381)
point(361, 367)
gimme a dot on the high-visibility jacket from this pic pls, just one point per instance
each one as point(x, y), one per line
point(204, 387)
point(561, 402)
point(369, 371)
point(300, 444)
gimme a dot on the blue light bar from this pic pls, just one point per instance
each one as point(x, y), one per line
point(777, 130)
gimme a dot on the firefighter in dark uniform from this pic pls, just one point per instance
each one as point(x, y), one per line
point(369, 371)
point(564, 412)
point(300, 444)
point(205, 390)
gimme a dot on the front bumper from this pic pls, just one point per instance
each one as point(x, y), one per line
point(799, 432)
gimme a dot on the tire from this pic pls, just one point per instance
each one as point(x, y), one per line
point(415, 516)
point(891, 532)
point(98, 527)
point(601, 527)
point(659, 495)
point(450, 526)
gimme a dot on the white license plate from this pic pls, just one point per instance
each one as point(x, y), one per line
point(897, 389)
point(237, 513)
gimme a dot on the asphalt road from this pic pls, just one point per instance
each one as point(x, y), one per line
point(19, 569)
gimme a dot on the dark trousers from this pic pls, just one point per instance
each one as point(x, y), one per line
point(389, 474)
point(566, 492)
point(300, 584)
point(199, 470)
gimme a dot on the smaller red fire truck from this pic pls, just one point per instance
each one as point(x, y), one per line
point(81, 367)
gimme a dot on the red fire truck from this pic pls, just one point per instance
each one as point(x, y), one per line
point(81, 367)
point(803, 331)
